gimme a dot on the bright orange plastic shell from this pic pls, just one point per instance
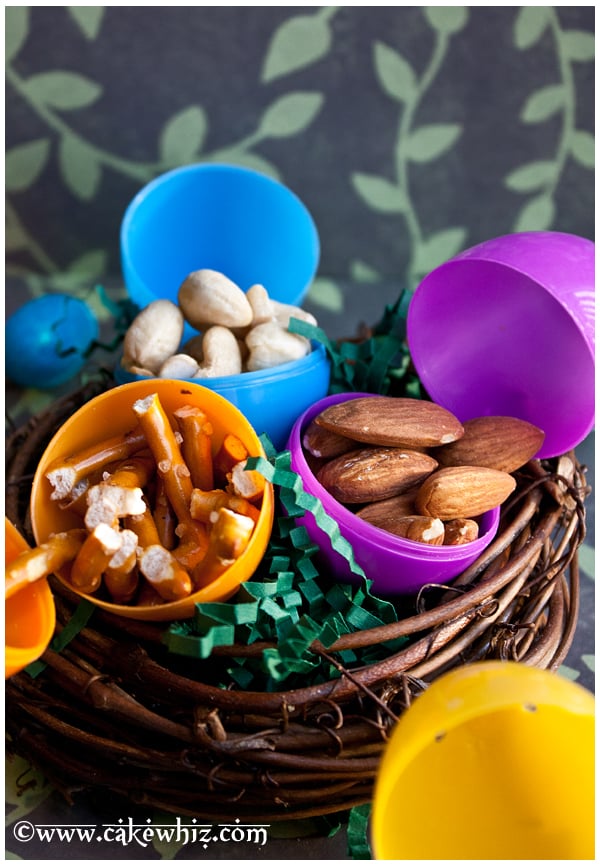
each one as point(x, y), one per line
point(110, 414)
point(495, 760)
point(29, 614)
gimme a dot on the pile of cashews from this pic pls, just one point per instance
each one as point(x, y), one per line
point(240, 331)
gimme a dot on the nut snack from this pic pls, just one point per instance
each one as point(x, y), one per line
point(245, 351)
point(240, 331)
point(416, 471)
point(142, 502)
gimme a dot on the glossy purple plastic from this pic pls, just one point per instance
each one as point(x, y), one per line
point(507, 327)
point(395, 565)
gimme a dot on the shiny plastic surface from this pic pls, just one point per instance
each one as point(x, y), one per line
point(29, 614)
point(46, 340)
point(222, 217)
point(507, 327)
point(494, 761)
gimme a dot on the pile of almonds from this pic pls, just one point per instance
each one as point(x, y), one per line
point(409, 467)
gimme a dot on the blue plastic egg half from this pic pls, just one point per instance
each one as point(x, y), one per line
point(46, 340)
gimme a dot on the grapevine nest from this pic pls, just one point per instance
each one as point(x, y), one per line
point(114, 711)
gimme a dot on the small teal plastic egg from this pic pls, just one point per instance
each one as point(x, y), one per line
point(46, 340)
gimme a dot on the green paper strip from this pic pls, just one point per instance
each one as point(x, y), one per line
point(361, 619)
point(358, 832)
point(74, 625)
point(223, 613)
point(242, 677)
point(312, 592)
point(180, 641)
point(286, 478)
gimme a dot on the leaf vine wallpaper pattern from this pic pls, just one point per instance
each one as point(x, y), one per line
point(410, 132)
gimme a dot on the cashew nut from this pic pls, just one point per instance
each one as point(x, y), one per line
point(221, 354)
point(284, 311)
point(271, 345)
point(261, 303)
point(153, 336)
point(178, 366)
point(193, 347)
point(245, 331)
point(209, 297)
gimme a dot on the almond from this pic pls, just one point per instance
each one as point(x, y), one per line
point(421, 529)
point(460, 531)
point(503, 443)
point(374, 473)
point(384, 514)
point(388, 421)
point(463, 492)
point(324, 444)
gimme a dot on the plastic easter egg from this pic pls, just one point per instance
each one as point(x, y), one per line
point(29, 614)
point(111, 414)
point(494, 761)
point(46, 340)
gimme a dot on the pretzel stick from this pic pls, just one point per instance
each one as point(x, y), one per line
point(132, 473)
point(148, 596)
point(76, 501)
point(204, 504)
point(107, 503)
point(165, 519)
point(93, 558)
point(196, 431)
point(229, 538)
point(245, 483)
point(121, 586)
point(192, 545)
point(125, 558)
point(164, 573)
point(121, 577)
point(64, 473)
point(39, 562)
point(165, 449)
point(144, 527)
point(231, 451)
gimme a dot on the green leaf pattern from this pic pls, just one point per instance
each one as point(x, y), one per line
point(88, 19)
point(297, 43)
point(67, 91)
point(290, 115)
point(16, 30)
point(416, 144)
point(182, 136)
point(394, 74)
point(545, 103)
point(427, 143)
point(379, 194)
point(296, 50)
point(530, 23)
point(79, 167)
point(24, 164)
point(326, 294)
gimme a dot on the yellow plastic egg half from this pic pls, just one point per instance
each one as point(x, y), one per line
point(494, 760)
